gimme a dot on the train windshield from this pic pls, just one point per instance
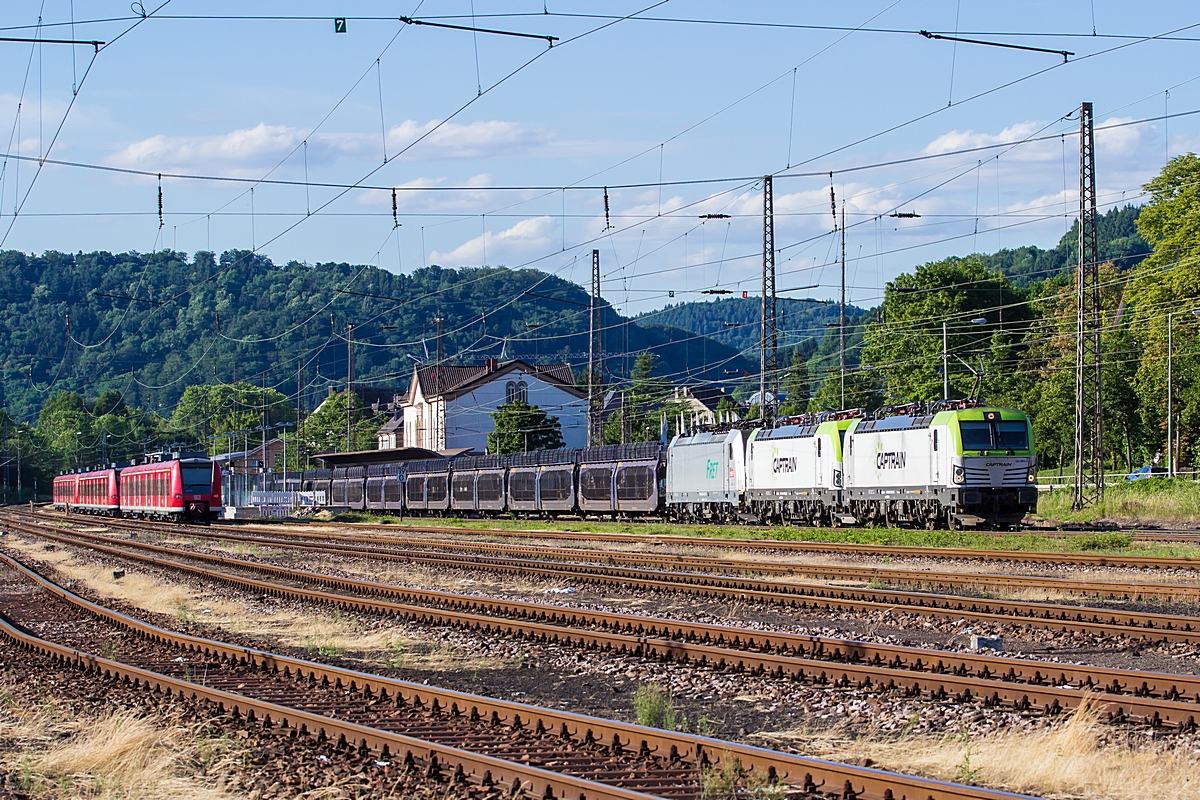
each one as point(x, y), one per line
point(197, 480)
point(999, 435)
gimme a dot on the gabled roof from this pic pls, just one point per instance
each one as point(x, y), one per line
point(444, 379)
point(708, 396)
point(450, 382)
point(393, 424)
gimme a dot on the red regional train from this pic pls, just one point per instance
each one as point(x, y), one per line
point(183, 487)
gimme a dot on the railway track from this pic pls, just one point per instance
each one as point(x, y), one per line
point(1131, 590)
point(809, 597)
point(539, 753)
point(769, 545)
point(1126, 589)
point(1153, 698)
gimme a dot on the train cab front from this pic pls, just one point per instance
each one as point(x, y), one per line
point(994, 474)
point(201, 511)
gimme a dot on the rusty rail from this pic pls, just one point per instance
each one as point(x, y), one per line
point(1133, 590)
point(1030, 557)
point(1160, 699)
point(857, 782)
point(1050, 616)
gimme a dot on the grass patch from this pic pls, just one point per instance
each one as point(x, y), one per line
point(1173, 499)
point(1069, 759)
point(51, 753)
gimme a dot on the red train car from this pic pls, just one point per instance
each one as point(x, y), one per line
point(64, 491)
point(93, 492)
point(175, 486)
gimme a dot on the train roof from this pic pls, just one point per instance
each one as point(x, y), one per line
point(705, 437)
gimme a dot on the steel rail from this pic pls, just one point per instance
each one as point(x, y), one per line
point(762, 652)
point(1095, 559)
point(1133, 590)
point(1050, 616)
point(875, 784)
point(766, 544)
point(482, 769)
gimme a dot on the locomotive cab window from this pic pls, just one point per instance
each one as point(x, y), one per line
point(935, 440)
point(997, 435)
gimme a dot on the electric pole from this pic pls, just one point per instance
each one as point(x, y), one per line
point(441, 347)
point(437, 385)
point(768, 361)
point(594, 410)
point(349, 384)
point(842, 312)
point(1089, 399)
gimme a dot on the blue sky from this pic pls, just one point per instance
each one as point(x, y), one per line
point(613, 103)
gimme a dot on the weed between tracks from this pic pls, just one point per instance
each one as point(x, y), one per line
point(1069, 759)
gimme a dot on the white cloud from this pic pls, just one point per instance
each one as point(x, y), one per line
point(961, 140)
point(253, 149)
point(1126, 141)
point(237, 151)
point(473, 140)
point(528, 237)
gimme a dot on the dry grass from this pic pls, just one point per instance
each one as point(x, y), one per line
point(1066, 760)
point(51, 754)
point(326, 634)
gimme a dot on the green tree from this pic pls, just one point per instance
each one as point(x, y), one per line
point(324, 430)
point(520, 426)
point(64, 425)
point(905, 346)
point(219, 414)
point(1168, 282)
point(863, 390)
point(797, 387)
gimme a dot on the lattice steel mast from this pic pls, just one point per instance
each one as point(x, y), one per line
point(768, 367)
point(1089, 398)
point(594, 410)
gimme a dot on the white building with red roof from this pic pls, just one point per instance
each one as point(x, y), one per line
point(449, 407)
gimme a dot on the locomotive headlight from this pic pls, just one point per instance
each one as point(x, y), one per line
point(1032, 476)
point(837, 478)
point(960, 475)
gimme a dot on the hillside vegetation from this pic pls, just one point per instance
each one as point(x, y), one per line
point(149, 324)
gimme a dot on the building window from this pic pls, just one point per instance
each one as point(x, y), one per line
point(510, 392)
point(523, 391)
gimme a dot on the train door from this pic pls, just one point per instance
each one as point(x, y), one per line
point(730, 478)
point(935, 448)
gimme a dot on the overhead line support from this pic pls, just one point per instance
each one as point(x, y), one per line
point(1089, 397)
point(595, 436)
point(768, 378)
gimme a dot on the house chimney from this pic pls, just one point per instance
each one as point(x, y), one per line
point(491, 364)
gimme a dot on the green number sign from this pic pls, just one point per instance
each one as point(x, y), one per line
point(339, 25)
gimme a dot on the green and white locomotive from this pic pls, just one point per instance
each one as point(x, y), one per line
point(934, 466)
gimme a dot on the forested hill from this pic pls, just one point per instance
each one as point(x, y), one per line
point(1119, 243)
point(148, 325)
point(737, 321)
